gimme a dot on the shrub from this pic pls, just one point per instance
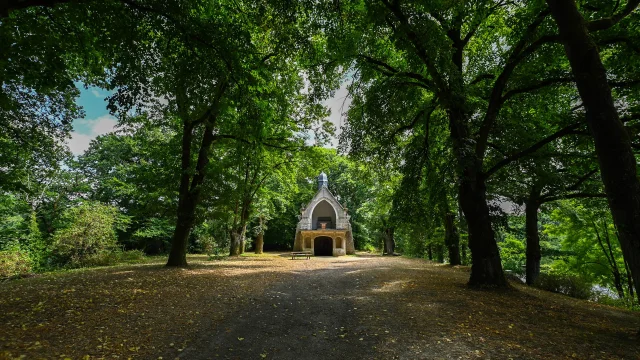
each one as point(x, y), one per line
point(154, 236)
point(368, 247)
point(132, 256)
point(203, 245)
point(108, 258)
point(14, 262)
point(570, 285)
point(98, 259)
point(512, 252)
point(625, 302)
point(89, 237)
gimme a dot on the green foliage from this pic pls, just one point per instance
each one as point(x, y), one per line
point(153, 235)
point(567, 284)
point(89, 237)
point(131, 256)
point(512, 252)
point(15, 262)
point(370, 248)
point(132, 170)
point(582, 229)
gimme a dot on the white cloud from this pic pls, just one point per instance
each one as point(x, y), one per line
point(102, 125)
point(339, 104)
point(97, 94)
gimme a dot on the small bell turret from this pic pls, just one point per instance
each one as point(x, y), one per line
point(322, 180)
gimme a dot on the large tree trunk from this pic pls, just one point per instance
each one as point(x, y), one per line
point(180, 239)
point(486, 266)
point(452, 239)
point(613, 146)
point(236, 235)
point(533, 237)
point(189, 192)
point(259, 245)
point(243, 243)
point(463, 228)
point(239, 230)
point(439, 253)
point(389, 241)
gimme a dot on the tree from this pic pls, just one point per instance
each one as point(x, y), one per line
point(255, 166)
point(613, 145)
point(390, 52)
point(585, 233)
point(134, 170)
point(38, 66)
point(217, 73)
point(560, 165)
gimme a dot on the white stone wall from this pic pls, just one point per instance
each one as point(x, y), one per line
point(307, 218)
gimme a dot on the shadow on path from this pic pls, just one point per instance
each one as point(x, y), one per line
point(386, 308)
point(310, 315)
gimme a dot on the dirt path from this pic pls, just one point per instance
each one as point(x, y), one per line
point(270, 307)
point(312, 314)
point(394, 308)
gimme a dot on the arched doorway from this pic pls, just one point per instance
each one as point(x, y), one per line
point(323, 246)
point(323, 213)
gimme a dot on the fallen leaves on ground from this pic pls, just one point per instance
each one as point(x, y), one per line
point(395, 308)
point(139, 311)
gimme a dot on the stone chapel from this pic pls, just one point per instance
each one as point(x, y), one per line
point(324, 228)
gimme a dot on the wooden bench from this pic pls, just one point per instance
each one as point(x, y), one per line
point(301, 253)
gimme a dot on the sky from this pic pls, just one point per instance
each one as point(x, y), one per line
point(98, 121)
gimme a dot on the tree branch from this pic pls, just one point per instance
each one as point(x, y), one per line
point(7, 6)
point(605, 23)
point(413, 37)
point(391, 71)
point(539, 85)
point(144, 8)
point(520, 52)
point(546, 199)
point(623, 84)
point(620, 39)
point(582, 179)
point(254, 143)
point(533, 148)
point(482, 77)
point(476, 26)
point(413, 123)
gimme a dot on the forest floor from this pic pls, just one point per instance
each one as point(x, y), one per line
point(272, 307)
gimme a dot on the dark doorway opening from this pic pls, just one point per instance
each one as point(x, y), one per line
point(323, 246)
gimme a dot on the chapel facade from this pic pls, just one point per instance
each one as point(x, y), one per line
point(324, 228)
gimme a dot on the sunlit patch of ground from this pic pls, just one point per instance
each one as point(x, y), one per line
point(382, 307)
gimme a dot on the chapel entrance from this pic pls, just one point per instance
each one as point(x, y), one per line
point(323, 246)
